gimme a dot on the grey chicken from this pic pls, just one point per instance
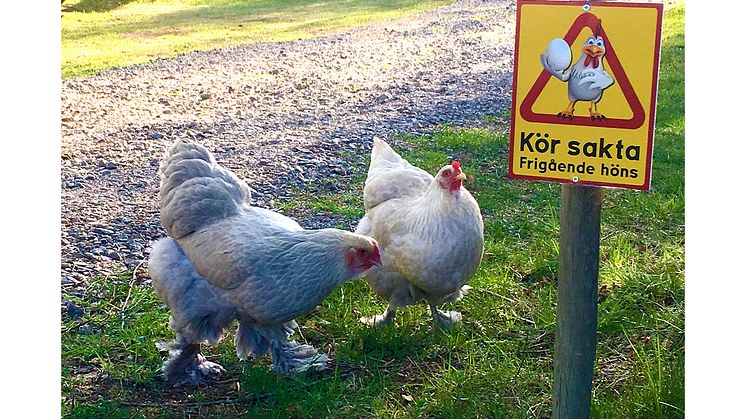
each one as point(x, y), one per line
point(226, 260)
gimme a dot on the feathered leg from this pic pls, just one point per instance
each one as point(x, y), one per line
point(458, 295)
point(291, 357)
point(186, 365)
point(447, 319)
point(198, 314)
point(288, 356)
point(397, 291)
point(380, 319)
point(443, 319)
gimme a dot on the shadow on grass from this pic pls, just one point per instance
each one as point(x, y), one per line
point(268, 15)
point(94, 5)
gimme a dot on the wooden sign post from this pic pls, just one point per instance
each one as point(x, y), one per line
point(584, 92)
point(577, 294)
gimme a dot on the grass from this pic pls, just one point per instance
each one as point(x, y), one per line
point(100, 34)
point(497, 365)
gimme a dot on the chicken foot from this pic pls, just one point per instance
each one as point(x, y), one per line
point(380, 319)
point(292, 357)
point(593, 112)
point(444, 319)
point(186, 365)
point(288, 356)
point(568, 112)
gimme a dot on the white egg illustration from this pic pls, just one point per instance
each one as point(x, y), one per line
point(558, 54)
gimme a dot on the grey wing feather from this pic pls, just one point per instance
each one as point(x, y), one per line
point(196, 191)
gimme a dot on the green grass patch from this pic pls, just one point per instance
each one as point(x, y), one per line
point(100, 34)
point(497, 365)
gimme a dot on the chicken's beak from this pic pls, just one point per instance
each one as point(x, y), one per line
point(593, 50)
point(461, 176)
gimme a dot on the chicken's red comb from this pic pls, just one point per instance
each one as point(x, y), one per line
point(456, 165)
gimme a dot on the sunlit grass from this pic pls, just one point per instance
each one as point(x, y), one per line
point(98, 35)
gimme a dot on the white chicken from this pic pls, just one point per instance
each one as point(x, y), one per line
point(226, 260)
point(430, 231)
point(587, 79)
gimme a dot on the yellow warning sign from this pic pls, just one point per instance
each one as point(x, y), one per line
point(584, 90)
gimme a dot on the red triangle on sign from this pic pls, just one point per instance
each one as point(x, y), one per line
point(638, 113)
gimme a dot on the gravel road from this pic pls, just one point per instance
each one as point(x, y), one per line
point(278, 114)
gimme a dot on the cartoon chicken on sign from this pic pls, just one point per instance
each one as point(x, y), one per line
point(587, 79)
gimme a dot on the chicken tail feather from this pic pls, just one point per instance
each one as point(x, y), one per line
point(364, 227)
point(382, 152)
point(196, 191)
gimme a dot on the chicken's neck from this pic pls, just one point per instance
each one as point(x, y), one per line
point(326, 251)
point(436, 211)
point(442, 200)
point(583, 65)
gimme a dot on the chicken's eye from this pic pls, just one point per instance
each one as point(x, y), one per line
point(447, 172)
point(363, 252)
point(591, 42)
point(600, 42)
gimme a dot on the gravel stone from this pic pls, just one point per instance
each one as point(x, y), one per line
point(73, 311)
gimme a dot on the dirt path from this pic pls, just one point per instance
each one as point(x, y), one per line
point(278, 114)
